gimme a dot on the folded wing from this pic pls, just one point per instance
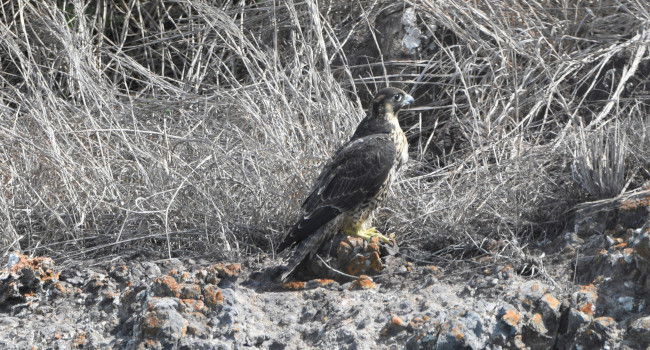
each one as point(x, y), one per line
point(355, 175)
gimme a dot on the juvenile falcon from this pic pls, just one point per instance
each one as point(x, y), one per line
point(352, 185)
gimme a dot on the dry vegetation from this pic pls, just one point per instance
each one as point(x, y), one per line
point(189, 128)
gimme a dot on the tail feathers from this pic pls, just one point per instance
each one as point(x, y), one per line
point(288, 241)
point(305, 250)
point(303, 229)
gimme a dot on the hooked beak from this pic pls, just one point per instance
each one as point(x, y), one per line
point(408, 99)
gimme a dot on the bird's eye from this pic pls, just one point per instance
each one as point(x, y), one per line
point(397, 97)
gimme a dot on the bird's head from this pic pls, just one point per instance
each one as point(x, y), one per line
point(389, 100)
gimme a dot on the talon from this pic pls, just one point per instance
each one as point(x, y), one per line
point(368, 233)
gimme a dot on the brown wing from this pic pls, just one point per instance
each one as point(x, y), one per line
point(355, 175)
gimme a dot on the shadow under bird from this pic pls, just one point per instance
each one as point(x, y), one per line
point(353, 183)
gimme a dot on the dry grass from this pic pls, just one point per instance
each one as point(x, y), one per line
point(185, 128)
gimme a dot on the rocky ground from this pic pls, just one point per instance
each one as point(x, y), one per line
point(589, 290)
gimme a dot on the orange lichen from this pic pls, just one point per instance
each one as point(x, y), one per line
point(457, 333)
point(193, 304)
point(418, 322)
point(324, 281)
point(551, 301)
point(356, 265)
point(110, 295)
point(50, 275)
point(41, 267)
point(226, 270)
point(620, 245)
point(151, 324)
point(511, 317)
point(60, 287)
point(212, 295)
point(170, 286)
point(375, 262)
point(185, 276)
point(537, 322)
point(397, 321)
point(151, 305)
point(79, 340)
point(526, 301)
point(631, 204)
point(31, 263)
point(295, 285)
point(364, 282)
point(588, 308)
point(605, 321)
point(588, 288)
point(343, 246)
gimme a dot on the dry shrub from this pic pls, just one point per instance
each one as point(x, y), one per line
point(599, 162)
point(191, 128)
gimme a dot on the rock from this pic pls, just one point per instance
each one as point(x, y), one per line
point(639, 330)
point(212, 295)
point(412, 39)
point(628, 210)
point(294, 285)
point(27, 279)
point(602, 333)
point(411, 305)
point(166, 286)
point(577, 320)
point(323, 283)
point(363, 282)
point(190, 291)
point(394, 326)
point(536, 335)
point(120, 273)
point(225, 271)
point(162, 321)
point(642, 245)
point(451, 337)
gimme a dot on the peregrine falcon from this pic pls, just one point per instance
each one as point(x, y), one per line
point(353, 183)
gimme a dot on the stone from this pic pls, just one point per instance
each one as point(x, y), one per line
point(639, 329)
point(577, 319)
point(161, 320)
point(166, 286)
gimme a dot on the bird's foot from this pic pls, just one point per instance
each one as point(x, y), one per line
point(369, 233)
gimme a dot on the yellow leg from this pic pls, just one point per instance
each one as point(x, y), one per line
point(367, 234)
